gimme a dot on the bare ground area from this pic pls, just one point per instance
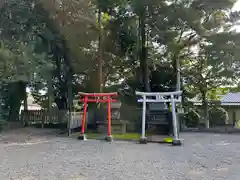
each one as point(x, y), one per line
point(36, 154)
point(24, 135)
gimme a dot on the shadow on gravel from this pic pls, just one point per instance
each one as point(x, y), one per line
point(23, 135)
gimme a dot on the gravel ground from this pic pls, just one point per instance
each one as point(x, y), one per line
point(203, 156)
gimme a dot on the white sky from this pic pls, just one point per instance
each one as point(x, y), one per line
point(237, 6)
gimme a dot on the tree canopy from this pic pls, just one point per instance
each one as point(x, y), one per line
point(68, 46)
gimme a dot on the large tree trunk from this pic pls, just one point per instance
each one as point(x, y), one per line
point(50, 97)
point(69, 91)
point(63, 64)
point(178, 78)
point(143, 55)
point(176, 70)
point(16, 96)
point(100, 52)
point(60, 98)
point(25, 102)
point(205, 108)
point(69, 76)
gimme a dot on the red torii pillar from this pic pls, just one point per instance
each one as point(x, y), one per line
point(96, 97)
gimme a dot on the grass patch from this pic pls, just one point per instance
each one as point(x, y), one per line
point(93, 135)
point(126, 136)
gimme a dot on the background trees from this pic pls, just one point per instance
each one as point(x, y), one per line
point(89, 45)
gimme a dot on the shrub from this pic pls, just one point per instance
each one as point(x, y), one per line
point(192, 118)
point(2, 125)
point(217, 116)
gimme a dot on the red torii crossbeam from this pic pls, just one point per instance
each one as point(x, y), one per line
point(96, 97)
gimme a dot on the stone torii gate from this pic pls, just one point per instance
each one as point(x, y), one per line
point(155, 97)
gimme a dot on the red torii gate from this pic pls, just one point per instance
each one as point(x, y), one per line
point(96, 97)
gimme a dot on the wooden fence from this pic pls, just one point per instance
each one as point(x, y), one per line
point(72, 119)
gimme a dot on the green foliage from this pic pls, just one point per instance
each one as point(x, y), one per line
point(48, 44)
point(192, 118)
point(22, 62)
point(218, 116)
point(3, 124)
point(214, 93)
point(18, 62)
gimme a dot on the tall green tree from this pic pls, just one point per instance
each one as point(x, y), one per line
point(184, 30)
point(20, 63)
